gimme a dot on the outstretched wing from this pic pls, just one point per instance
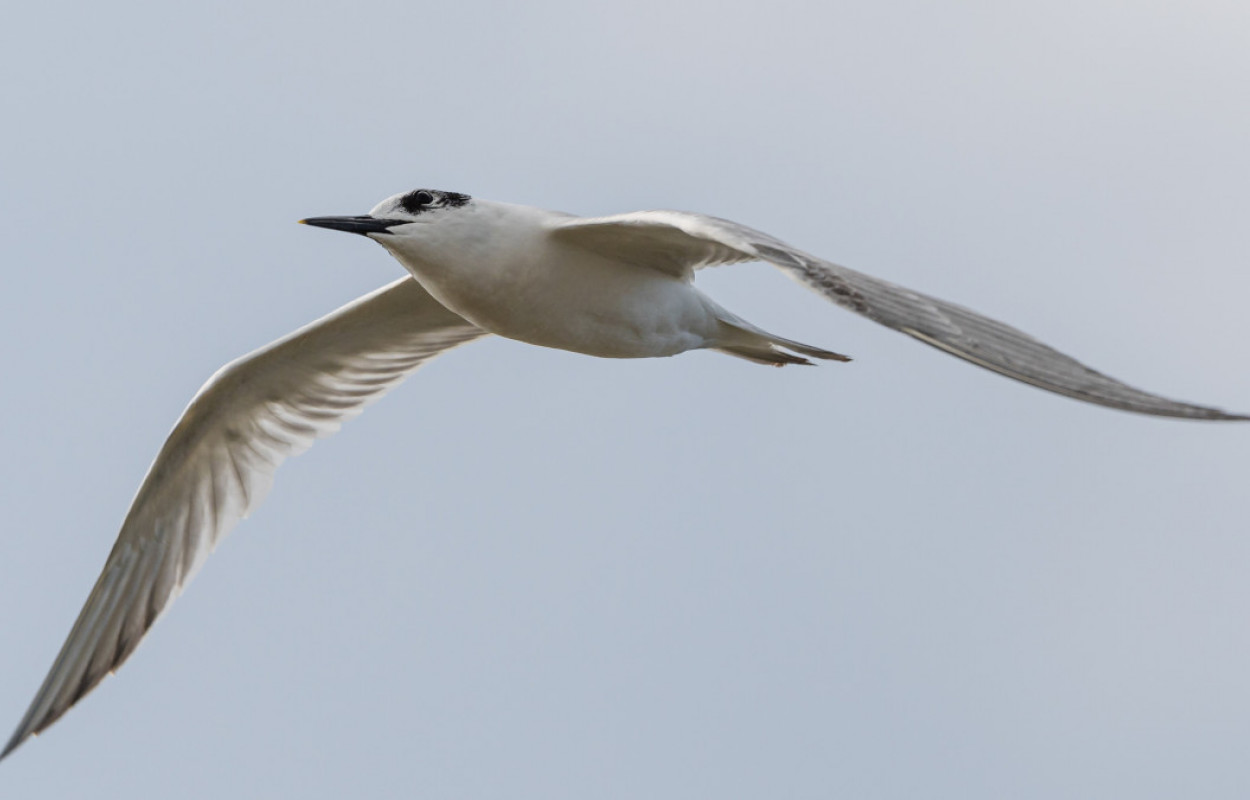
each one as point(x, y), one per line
point(219, 461)
point(678, 242)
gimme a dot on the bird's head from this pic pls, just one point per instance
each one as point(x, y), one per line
point(393, 216)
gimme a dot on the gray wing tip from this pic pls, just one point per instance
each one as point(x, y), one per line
point(1147, 404)
point(32, 725)
point(1216, 415)
point(19, 736)
point(28, 727)
point(1176, 410)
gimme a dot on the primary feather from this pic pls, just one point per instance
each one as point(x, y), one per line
point(219, 461)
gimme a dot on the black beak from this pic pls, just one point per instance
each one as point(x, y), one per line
point(362, 225)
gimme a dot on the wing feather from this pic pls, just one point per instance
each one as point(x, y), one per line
point(219, 461)
point(692, 241)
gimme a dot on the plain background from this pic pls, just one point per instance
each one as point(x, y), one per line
point(531, 574)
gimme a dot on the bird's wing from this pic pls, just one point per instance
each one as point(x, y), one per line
point(689, 241)
point(219, 461)
point(676, 242)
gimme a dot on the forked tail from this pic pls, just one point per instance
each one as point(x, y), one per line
point(743, 340)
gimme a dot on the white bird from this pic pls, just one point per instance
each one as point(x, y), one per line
point(618, 287)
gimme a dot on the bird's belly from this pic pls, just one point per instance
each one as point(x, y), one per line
point(600, 309)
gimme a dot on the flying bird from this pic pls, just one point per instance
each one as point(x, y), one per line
point(619, 286)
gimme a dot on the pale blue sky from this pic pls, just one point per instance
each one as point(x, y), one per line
point(530, 574)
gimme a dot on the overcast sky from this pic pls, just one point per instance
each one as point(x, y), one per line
point(533, 574)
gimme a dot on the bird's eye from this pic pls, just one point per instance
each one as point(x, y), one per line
point(417, 201)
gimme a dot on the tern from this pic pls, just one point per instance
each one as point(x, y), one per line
point(617, 286)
